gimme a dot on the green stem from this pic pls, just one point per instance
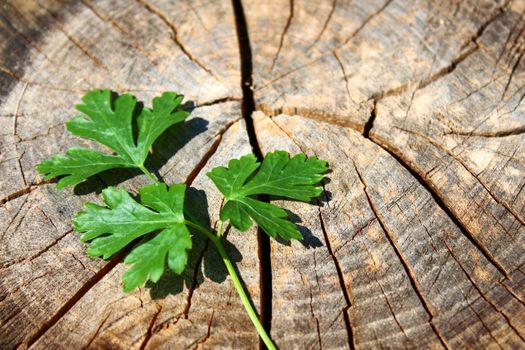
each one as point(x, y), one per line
point(215, 238)
point(149, 174)
point(200, 229)
point(219, 228)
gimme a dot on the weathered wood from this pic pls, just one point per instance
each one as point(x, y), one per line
point(181, 312)
point(52, 293)
point(429, 84)
point(418, 240)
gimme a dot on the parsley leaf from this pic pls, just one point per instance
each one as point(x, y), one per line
point(108, 119)
point(110, 228)
point(278, 175)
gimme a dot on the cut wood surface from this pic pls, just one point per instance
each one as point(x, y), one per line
point(418, 240)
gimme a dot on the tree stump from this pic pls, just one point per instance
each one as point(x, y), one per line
point(418, 241)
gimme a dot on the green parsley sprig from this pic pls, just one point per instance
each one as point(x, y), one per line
point(111, 120)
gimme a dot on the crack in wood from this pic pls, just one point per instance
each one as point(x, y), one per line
point(48, 218)
point(406, 266)
point(340, 277)
point(436, 144)
point(370, 122)
point(39, 253)
point(512, 72)
point(325, 25)
point(193, 286)
point(103, 18)
point(24, 191)
point(14, 217)
point(482, 295)
point(175, 36)
point(313, 114)
point(88, 345)
point(98, 62)
point(149, 332)
point(206, 336)
point(312, 313)
point(86, 287)
point(17, 109)
point(248, 107)
point(22, 173)
point(283, 34)
point(365, 22)
point(218, 101)
point(18, 77)
point(345, 76)
point(513, 293)
point(84, 267)
point(209, 153)
point(398, 156)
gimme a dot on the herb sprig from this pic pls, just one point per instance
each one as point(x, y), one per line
point(159, 212)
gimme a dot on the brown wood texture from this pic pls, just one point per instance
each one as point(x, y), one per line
point(418, 240)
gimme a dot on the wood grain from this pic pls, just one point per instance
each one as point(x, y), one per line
point(418, 239)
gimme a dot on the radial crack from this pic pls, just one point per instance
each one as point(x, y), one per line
point(15, 115)
point(325, 25)
point(393, 151)
point(209, 153)
point(469, 170)
point(206, 336)
point(175, 36)
point(344, 75)
point(88, 285)
point(482, 295)
point(365, 22)
point(498, 133)
point(75, 42)
point(317, 115)
point(283, 34)
point(149, 332)
point(289, 136)
point(99, 328)
point(413, 281)
point(248, 107)
point(193, 286)
point(370, 122)
point(340, 276)
point(513, 70)
point(104, 18)
point(24, 191)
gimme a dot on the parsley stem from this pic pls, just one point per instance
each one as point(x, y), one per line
point(200, 229)
point(149, 174)
point(240, 290)
point(219, 228)
point(216, 239)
